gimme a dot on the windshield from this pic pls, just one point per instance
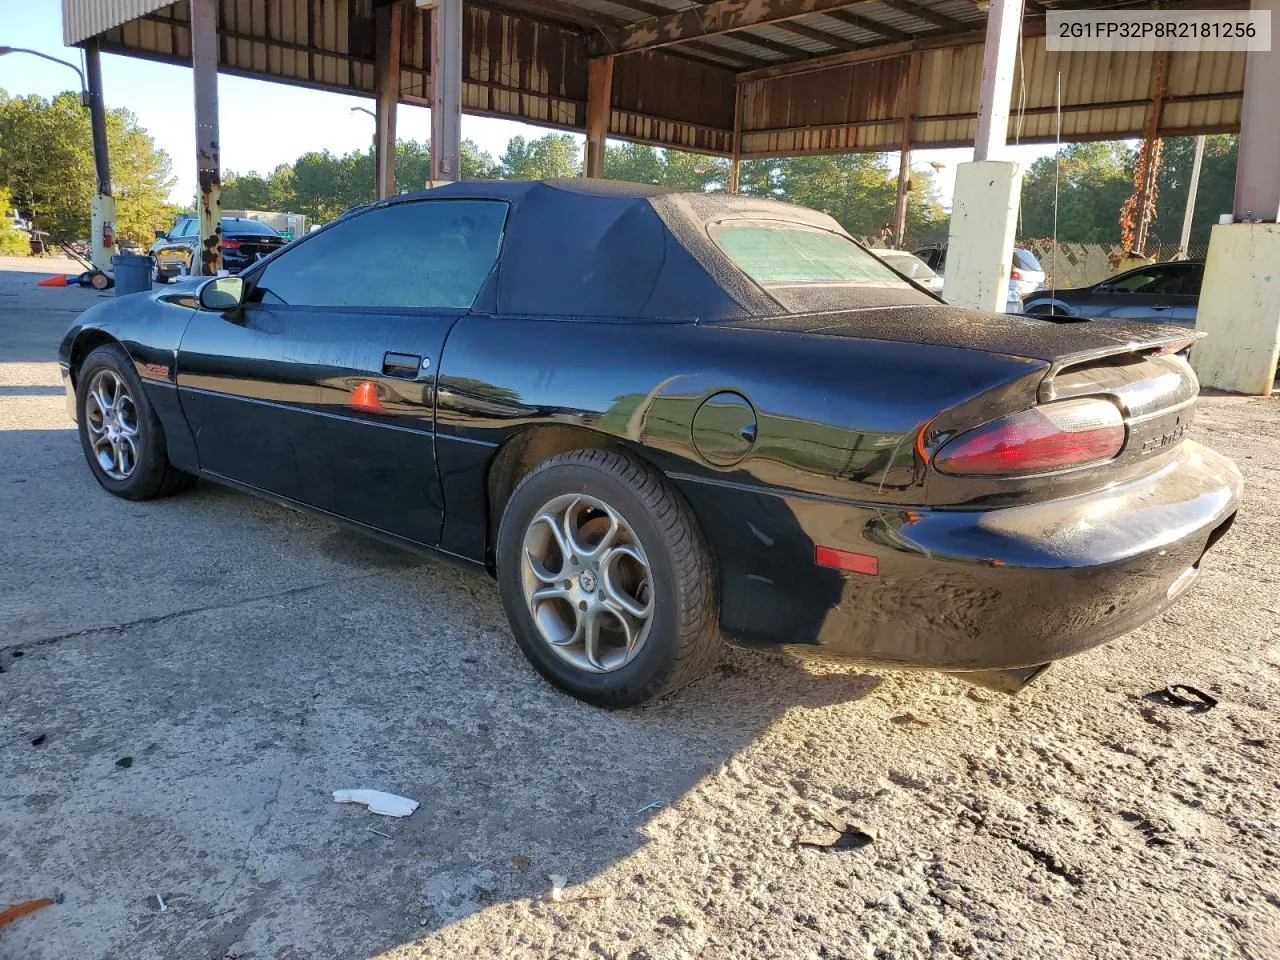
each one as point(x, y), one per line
point(775, 252)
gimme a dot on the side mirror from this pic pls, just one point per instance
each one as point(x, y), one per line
point(222, 293)
point(161, 235)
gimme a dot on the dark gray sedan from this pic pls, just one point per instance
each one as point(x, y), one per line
point(1159, 292)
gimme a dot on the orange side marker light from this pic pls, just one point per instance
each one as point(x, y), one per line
point(846, 560)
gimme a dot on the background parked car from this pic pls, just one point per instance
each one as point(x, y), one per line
point(243, 243)
point(1159, 292)
point(911, 267)
point(1026, 275)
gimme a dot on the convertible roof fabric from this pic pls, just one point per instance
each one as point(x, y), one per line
point(603, 248)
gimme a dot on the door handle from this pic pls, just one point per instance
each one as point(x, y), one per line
point(403, 365)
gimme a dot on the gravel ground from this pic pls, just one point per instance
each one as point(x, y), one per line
point(200, 673)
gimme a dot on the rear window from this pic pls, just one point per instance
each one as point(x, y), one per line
point(248, 227)
point(1025, 260)
point(777, 253)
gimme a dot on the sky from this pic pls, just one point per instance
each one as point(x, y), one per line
point(264, 124)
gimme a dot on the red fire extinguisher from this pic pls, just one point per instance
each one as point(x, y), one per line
point(108, 240)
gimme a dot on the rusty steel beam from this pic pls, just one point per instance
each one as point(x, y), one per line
point(906, 109)
point(386, 57)
point(599, 101)
point(1150, 133)
point(927, 15)
point(723, 16)
point(446, 88)
point(204, 68)
point(735, 161)
point(804, 30)
point(871, 26)
point(887, 51)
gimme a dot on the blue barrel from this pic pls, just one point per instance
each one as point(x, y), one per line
point(133, 273)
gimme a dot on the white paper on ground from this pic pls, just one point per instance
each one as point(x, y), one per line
point(387, 804)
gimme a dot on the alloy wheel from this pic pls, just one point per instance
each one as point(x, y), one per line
point(111, 416)
point(587, 583)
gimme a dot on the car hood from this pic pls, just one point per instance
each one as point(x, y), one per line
point(1037, 338)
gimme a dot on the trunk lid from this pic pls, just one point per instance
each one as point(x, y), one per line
point(1057, 340)
point(253, 244)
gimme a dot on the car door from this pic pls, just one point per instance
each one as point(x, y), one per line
point(321, 388)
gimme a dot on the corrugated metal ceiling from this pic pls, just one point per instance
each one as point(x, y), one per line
point(532, 66)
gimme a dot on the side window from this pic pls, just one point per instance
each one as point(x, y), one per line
point(1140, 281)
point(430, 253)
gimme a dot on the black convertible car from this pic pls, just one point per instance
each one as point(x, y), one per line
point(661, 419)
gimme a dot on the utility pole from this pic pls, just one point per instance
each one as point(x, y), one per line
point(1192, 188)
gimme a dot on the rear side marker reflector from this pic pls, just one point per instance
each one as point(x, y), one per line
point(845, 560)
point(1054, 436)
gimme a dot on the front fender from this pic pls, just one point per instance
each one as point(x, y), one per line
point(149, 327)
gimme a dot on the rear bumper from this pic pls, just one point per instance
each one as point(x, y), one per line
point(971, 589)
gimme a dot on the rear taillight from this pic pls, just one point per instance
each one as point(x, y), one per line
point(230, 244)
point(1055, 436)
point(1016, 274)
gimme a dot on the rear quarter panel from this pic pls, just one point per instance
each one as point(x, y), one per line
point(836, 417)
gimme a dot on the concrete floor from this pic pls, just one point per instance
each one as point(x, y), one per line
point(246, 661)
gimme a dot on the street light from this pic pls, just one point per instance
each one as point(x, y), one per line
point(358, 110)
point(84, 91)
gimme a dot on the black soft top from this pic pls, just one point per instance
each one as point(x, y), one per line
point(605, 248)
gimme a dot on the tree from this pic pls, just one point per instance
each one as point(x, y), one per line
point(1094, 180)
point(13, 242)
point(46, 161)
point(1216, 194)
point(640, 163)
point(859, 190)
point(555, 155)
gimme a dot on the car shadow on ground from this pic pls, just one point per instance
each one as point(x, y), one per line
point(243, 707)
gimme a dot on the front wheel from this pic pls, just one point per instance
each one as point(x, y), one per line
point(120, 433)
point(606, 580)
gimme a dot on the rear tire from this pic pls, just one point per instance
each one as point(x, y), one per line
point(120, 434)
point(637, 582)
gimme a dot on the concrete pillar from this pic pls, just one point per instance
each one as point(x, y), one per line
point(1240, 309)
point(599, 102)
point(984, 221)
point(204, 68)
point(102, 211)
point(984, 210)
point(446, 88)
point(1258, 163)
point(387, 22)
point(999, 61)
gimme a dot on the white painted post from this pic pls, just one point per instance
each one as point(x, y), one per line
point(999, 63)
point(984, 210)
point(1192, 189)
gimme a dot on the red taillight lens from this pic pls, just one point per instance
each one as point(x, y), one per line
point(1054, 436)
point(230, 244)
point(1016, 274)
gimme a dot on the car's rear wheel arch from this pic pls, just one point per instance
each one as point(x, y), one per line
point(523, 452)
